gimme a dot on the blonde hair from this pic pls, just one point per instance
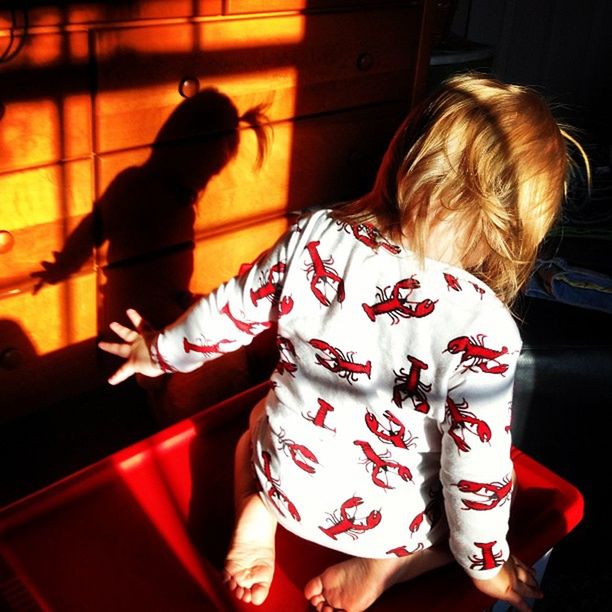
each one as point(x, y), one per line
point(486, 155)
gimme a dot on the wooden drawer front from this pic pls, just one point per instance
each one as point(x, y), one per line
point(40, 210)
point(296, 66)
point(47, 345)
point(254, 6)
point(56, 316)
point(218, 258)
point(160, 287)
point(314, 161)
point(107, 11)
point(41, 122)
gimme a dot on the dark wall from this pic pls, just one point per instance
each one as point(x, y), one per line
point(562, 46)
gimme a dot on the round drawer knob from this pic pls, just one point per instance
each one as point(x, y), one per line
point(6, 241)
point(10, 358)
point(189, 87)
point(365, 61)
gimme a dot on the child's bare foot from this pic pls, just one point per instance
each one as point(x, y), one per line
point(249, 565)
point(357, 583)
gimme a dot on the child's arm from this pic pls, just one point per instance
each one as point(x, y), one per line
point(514, 583)
point(226, 319)
point(476, 468)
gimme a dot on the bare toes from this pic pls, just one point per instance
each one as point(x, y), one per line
point(314, 589)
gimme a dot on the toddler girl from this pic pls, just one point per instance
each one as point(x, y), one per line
point(386, 432)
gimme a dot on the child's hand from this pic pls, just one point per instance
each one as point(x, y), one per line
point(135, 349)
point(515, 583)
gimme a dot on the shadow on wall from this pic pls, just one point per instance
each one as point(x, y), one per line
point(141, 231)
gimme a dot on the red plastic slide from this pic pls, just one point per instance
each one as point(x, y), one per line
point(147, 528)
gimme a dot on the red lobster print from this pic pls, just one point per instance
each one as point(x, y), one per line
point(508, 427)
point(348, 524)
point(322, 275)
point(478, 289)
point(367, 234)
point(382, 465)
point(402, 551)
point(386, 433)
point(319, 418)
point(462, 421)
point(286, 362)
point(252, 328)
point(336, 361)
point(395, 303)
point(476, 356)
point(494, 493)
point(302, 456)
point(452, 282)
point(271, 287)
point(206, 349)
point(489, 559)
point(432, 512)
point(274, 493)
point(409, 385)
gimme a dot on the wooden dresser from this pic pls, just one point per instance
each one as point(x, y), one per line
point(124, 164)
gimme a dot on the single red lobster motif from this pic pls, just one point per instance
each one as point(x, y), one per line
point(287, 353)
point(478, 289)
point(387, 433)
point(452, 282)
point(319, 418)
point(381, 465)
point(476, 356)
point(493, 493)
point(336, 361)
point(206, 349)
point(367, 234)
point(462, 421)
point(432, 512)
point(270, 288)
point(302, 456)
point(402, 551)
point(409, 385)
point(348, 524)
point(489, 559)
point(395, 303)
point(252, 328)
point(274, 493)
point(321, 276)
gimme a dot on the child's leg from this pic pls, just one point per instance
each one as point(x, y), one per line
point(357, 583)
point(249, 564)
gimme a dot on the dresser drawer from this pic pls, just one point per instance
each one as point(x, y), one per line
point(253, 6)
point(47, 345)
point(218, 258)
point(40, 210)
point(39, 121)
point(81, 13)
point(161, 287)
point(296, 66)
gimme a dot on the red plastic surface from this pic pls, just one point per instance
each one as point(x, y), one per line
point(146, 529)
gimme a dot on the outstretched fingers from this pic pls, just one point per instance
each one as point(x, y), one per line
point(123, 373)
point(116, 348)
point(132, 349)
point(125, 333)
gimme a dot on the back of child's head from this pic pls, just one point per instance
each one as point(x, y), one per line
point(486, 156)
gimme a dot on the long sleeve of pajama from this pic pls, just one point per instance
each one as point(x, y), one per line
point(387, 424)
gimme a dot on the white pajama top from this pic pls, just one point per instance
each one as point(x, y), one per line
point(387, 426)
